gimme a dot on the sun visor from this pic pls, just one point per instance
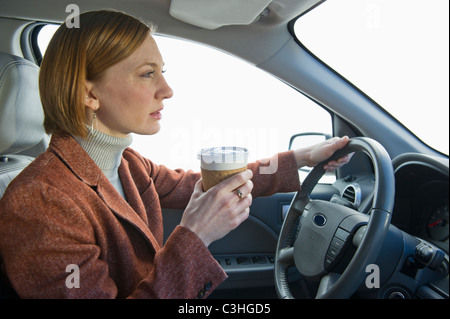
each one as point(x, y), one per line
point(213, 14)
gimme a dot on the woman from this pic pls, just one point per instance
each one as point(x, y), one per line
point(84, 219)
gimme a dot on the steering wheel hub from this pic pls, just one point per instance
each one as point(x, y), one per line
point(318, 247)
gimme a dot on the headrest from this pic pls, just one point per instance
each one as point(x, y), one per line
point(21, 114)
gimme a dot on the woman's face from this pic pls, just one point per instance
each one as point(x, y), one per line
point(130, 94)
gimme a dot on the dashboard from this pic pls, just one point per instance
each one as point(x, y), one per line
point(421, 201)
point(421, 206)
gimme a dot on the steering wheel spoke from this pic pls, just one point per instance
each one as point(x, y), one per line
point(326, 283)
point(286, 256)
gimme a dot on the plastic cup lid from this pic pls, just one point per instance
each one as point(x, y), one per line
point(219, 157)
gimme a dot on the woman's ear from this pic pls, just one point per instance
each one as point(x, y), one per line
point(91, 99)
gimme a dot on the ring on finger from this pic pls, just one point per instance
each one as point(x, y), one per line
point(239, 193)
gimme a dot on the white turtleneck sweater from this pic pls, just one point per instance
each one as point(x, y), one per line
point(106, 151)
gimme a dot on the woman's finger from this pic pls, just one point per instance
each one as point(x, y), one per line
point(234, 182)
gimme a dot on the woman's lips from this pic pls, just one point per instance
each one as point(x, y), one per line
point(156, 115)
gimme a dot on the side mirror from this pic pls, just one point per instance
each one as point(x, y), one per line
point(301, 140)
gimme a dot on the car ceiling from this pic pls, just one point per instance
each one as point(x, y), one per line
point(268, 32)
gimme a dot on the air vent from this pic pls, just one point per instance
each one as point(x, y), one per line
point(353, 194)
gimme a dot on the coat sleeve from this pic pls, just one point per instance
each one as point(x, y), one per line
point(276, 174)
point(198, 277)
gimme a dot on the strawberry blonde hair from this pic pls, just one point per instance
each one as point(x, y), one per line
point(74, 55)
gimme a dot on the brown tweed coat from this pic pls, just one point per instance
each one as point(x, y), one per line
point(62, 219)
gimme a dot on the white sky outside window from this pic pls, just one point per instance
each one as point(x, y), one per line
point(395, 51)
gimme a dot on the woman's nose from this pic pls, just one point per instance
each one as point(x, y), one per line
point(165, 91)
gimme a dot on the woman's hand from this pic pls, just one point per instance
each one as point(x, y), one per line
point(213, 214)
point(315, 154)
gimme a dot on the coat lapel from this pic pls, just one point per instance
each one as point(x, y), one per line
point(124, 211)
point(131, 192)
point(87, 171)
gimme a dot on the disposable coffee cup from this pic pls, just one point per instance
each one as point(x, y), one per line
point(219, 163)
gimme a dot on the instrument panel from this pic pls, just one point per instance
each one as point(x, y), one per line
point(437, 223)
point(422, 198)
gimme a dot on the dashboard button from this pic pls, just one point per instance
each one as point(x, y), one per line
point(337, 243)
point(342, 234)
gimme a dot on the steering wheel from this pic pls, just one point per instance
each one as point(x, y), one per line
point(317, 235)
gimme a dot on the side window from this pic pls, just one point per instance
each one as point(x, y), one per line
point(221, 100)
point(44, 36)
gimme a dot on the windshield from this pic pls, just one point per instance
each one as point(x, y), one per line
point(396, 51)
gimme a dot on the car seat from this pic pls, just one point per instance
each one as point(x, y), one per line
point(22, 135)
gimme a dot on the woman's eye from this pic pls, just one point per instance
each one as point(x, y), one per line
point(151, 73)
point(148, 74)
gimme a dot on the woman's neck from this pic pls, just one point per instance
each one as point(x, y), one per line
point(106, 151)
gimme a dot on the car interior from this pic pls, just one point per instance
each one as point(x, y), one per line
point(378, 231)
